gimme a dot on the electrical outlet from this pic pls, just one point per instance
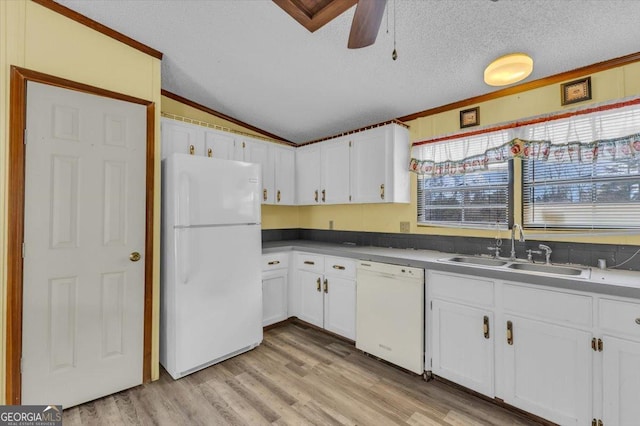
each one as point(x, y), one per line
point(330, 224)
point(404, 227)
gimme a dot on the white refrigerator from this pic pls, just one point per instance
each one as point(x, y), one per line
point(211, 285)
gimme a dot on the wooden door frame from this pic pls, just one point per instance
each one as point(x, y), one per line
point(15, 218)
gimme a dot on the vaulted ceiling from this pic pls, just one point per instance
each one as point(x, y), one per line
point(251, 60)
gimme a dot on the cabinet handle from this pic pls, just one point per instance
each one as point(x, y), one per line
point(600, 345)
point(209, 153)
point(326, 285)
point(278, 195)
point(485, 326)
point(315, 196)
point(324, 195)
point(274, 262)
point(338, 267)
point(509, 333)
point(382, 191)
point(192, 149)
point(264, 194)
point(318, 285)
point(309, 262)
point(594, 346)
point(638, 321)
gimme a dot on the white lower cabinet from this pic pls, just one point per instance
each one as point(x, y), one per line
point(570, 357)
point(274, 296)
point(275, 274)
point(547, 369)
point(462, 336)
point(621, 381)
point(463, 345)
point(327, 287)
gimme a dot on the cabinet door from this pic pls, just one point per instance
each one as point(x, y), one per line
point(311, 300)
point(340, 306)
point(284, 170)
point(621, 381)
point(274, 297)
point(307, 171)
point(182, 138)
point(335, 172)
point(462, 348)
point(258, 152)
point(370, 167)
point(548, 370)
point(219, 145)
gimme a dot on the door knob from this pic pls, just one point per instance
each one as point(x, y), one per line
point(135, 256)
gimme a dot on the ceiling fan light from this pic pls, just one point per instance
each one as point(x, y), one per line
point(508, 69)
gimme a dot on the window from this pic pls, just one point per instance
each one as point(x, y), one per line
point(477, 199)
point(599, 194)
point(465, 181)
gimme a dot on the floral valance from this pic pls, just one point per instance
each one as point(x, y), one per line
point(572, 152)
point(608, 133)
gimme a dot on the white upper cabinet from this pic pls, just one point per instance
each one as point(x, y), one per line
point(379, 165)
point(370, 166)
point(334, 171)
point(278, 169)
point(283, 159)
point(219, 144)
point(307, 172)
point(181, 137)
point(255, 151)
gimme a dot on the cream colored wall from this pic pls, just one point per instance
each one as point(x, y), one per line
point(36, 38)
point(273, 217)
point(606, 86)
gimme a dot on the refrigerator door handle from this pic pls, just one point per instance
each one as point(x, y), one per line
point(183, 200)
point(182, 255)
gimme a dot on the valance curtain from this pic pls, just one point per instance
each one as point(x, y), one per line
point(605, 132)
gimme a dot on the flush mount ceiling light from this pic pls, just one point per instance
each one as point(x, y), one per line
point(508, 69)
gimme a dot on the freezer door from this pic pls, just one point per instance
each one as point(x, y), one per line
point(200, 191)
point(218, 293)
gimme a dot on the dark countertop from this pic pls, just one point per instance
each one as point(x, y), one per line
point(608, 281)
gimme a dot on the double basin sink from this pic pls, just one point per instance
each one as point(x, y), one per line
point(520, 266)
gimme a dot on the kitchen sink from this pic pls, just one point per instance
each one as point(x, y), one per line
point(478, 261)
point(547, 269)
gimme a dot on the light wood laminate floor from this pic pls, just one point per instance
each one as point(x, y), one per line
point(297, 376)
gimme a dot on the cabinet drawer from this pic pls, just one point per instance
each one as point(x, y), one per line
point(618, 317)
point(273, 261)
point(340, 266)
point(471, 290)
point(310, 262)
point(555, 306)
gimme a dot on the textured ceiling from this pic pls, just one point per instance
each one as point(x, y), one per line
point(250, 60)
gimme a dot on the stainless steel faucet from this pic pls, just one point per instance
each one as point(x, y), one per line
point(513, 237)
point(547, 253)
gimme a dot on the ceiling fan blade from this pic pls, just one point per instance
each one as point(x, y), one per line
point(366, 23)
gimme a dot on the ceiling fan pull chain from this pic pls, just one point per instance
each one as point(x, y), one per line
point(394, 54)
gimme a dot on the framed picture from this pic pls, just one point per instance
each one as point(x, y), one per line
point(576, 91)
point(469, 117)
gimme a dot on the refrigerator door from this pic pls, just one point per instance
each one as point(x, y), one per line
point(218, 295)
point(201, 191)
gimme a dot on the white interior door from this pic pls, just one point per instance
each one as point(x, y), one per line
point(83, 307)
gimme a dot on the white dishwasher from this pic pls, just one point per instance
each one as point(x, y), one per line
point(390, 313)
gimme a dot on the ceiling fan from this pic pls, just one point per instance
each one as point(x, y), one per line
point(314, 14)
